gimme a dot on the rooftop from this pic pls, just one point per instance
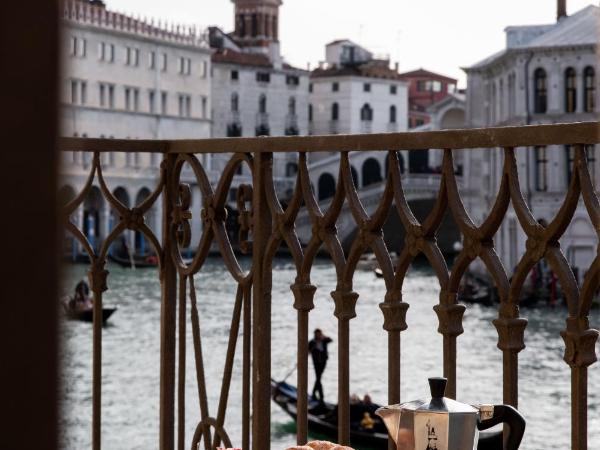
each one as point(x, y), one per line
point(94, 13)
point(579, 29)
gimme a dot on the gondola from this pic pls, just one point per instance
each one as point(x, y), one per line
point(87, 315)
point(138, 261)
point(322, 417)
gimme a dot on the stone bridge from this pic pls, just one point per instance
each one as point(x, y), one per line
point(421, 190)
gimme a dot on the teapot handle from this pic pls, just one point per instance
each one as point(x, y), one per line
point(516, 423)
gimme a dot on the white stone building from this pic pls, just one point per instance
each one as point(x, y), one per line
point(352, 92)
point(546, 74)
point(128, 78)
point(254, 91)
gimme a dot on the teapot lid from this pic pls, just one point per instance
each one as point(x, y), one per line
point(441, 404)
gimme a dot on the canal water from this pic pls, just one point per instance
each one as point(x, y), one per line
point(130, 390)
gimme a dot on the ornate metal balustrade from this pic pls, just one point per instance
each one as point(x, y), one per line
point(269, 225)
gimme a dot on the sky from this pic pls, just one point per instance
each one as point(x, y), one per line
point(439, 35)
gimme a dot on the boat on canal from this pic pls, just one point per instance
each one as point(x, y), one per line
point(72, 312)
point(322, 417)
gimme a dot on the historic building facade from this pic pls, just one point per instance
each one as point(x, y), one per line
point(128, 78)
point(546, 74)
point(254, 91)
point(350, 93)
point(425, 89)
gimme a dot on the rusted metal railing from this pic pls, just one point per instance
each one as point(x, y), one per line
point(271, 225)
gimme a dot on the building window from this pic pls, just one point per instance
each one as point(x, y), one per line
point(570, 90)
point(335, 111)
point(185, 66)
point(127, 99)
point(540, 91)
point(78, 92)
point(163, 103)
point(136, 99)
point(235, 102)
point(151, 101)
point(235, 75)
point(367, 87)
point(292, 106)
point(589, 83)
point(101, 51)
point(263, 77)
point(392, 114)
point(111, 53)
point(73, 46)
point(262, 104)
point(163, 62)
point(102, 95)
point(292, 80)
point(111, 96)
point(185, 105)
point(335, 87)
point(204, 103)
point(366, 113)
point(310, 113)
point(590, 154)
point(541, 168)
point(74, 91)
point(152, 60)
point(127, 56)
point(82, 47)
point(83, 92)
point(393, 90)
point(429, 86)
point(203, 69)
point(310, 87)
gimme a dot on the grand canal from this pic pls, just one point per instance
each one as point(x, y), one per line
point(131, 357)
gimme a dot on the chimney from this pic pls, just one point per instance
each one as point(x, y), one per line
point(561, 10)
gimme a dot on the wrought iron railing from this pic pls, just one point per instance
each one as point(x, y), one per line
point(270, 225)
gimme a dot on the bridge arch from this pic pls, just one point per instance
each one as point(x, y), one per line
point(371, 172)
point(326, 186)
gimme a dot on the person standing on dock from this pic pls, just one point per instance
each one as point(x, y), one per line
point(318, 350)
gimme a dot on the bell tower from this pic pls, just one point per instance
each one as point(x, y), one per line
point(256, 23)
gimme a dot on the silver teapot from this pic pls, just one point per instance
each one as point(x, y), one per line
point(445, 424)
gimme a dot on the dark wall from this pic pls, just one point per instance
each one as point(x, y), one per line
point(28, 225)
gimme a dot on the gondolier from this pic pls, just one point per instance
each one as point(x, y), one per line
point(318, 350)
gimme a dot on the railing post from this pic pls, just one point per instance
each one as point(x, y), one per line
point(168, 280)
point(261, 309)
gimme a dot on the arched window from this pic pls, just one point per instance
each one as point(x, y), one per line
point(262, 104)
point(366, 113)
point(371, 172)
point(326, 186)
point(392, 114)
point(540, 91)
point(541, 168)
point(335, 111)
point(235, 102)
point(292, 106)
point(570, 90)
point(310, 113)
point(589, 83)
